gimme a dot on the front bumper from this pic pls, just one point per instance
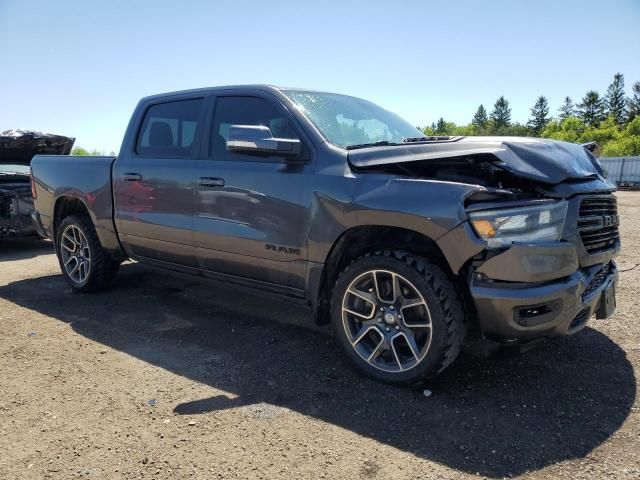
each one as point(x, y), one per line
point(531, 291)
point(519, 313)
point(15, 214)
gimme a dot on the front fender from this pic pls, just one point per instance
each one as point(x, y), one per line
point(431, 208)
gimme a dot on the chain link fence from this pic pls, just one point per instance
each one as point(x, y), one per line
point(624, 171)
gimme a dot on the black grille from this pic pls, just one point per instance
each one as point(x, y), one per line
point(598, 223)
point(580, 318)
point(597, 280)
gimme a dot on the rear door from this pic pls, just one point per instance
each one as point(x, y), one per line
point(154, 182)
point(250, 215)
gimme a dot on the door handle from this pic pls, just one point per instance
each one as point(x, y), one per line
point(132, 177)
point(211, 182)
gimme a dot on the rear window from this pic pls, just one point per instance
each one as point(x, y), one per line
point(169, 129)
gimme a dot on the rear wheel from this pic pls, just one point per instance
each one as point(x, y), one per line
point(85, 265)
point(398, 317)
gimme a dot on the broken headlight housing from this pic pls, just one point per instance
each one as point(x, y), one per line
point(536, 223)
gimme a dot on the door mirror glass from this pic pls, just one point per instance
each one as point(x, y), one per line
point(259, 140)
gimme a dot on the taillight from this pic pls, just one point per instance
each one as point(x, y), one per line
point(33, 187)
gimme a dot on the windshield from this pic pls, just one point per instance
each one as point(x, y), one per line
point(348, 121)
point(9, 169)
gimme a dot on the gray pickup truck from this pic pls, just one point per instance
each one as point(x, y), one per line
point(407, 244)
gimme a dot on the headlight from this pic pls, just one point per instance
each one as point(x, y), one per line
point(521, 224)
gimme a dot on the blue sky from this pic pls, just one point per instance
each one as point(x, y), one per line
point(78, 67)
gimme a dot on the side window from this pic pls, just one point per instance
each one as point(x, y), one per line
point(244, 111)
point(169, 129)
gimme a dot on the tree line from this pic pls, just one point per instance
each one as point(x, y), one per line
point(612, 120)
point(83, 152)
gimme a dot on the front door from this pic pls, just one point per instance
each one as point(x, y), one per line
point(250, 218)
point(153, 185)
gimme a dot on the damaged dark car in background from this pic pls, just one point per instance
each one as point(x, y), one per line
point(17, 148)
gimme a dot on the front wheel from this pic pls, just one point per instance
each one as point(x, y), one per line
point(85, 265)
point(398, 317)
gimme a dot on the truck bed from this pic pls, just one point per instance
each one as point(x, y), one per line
point(87, 179)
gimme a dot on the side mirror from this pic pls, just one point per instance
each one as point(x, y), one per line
point(259, 140)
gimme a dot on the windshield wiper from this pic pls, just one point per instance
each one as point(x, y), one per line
point(381, 143)
point(431, 138)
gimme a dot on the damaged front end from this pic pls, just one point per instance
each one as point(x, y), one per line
point(17, 148)
point(16, 206)
point(538, 235)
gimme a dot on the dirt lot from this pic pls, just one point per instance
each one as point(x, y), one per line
point(168, 377)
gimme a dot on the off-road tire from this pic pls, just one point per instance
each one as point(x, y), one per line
point(444, 304)
point(102, 267)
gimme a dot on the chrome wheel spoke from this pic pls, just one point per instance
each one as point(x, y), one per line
point(362, 333)
point(376, 285)
point(68, 249)
point(411, 317)
point(75, 268)
point(86, 269)
point(360, 314)
point(410, 339)
point(397, 288)
point(379, 284)
point(410, 303)
point(76, 240)
point(82, 271)
point(395, 355)
point(366, 296)
point(365, 334)
point(378, 350)
point(66, 239)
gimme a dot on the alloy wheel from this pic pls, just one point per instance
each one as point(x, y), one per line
point(387, 320)
point(75, 252)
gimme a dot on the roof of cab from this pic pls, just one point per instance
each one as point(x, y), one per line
point(205, 90)
point(248, 87)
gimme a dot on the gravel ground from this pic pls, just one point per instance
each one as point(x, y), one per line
point(168, 377)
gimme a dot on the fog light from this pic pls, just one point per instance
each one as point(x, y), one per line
point(534, 315)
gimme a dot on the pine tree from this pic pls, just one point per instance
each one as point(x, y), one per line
point(591, 110)
point(441, 126)
point(539, 115)
point(567, 109)
point(501, 114)
point(480, 118)
point(633, 103)
point(615, 100)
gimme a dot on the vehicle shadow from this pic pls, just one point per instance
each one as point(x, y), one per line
point(24, 248)
point(495, 418)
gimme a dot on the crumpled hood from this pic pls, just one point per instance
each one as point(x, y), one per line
point(542, 160)
point(17, 147)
